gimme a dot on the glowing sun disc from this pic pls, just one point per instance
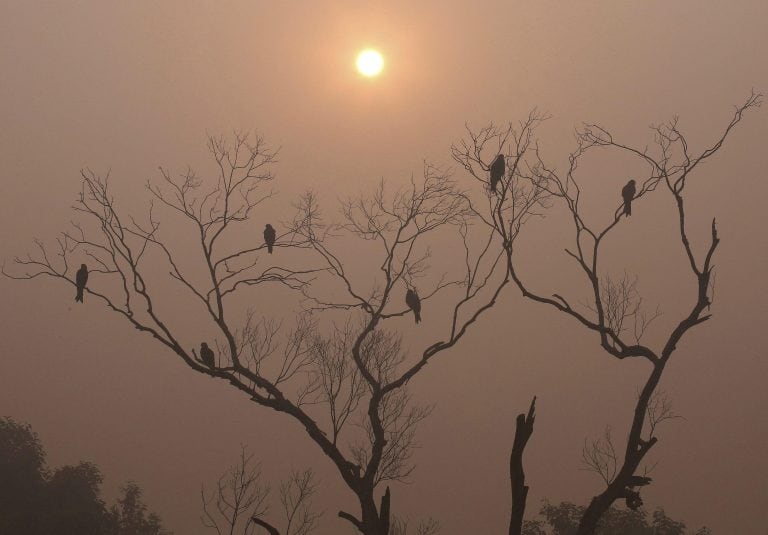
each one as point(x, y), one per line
point(370, 63)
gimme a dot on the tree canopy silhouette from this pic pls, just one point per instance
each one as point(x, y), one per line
point(563, 519)
point(35, 500)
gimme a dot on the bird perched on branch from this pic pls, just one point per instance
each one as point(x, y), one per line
point(81, 278)
point(206, 355)
point(498, 167)
point(269, 237)
point(414, 303)
point(628, 192)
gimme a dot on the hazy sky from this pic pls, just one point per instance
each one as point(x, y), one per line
point(128, 86)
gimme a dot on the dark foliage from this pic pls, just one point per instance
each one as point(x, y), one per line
point(563, 519)
point(35, 500)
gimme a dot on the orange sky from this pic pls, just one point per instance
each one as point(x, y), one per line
point(134, 85)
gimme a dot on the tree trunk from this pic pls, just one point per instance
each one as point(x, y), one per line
point(596, 509)
point(523, 431)
point(373, 522)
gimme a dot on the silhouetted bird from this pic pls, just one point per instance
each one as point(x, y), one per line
point(81, 278)
point(206, 355)
point(628, 192)
point(414, 303)
point(497, 171)
point(269, 237)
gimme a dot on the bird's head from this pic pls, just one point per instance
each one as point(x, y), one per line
point(204, 345)
point(632, 181)
point(82, 266)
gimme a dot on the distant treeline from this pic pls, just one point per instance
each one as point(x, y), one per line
point(38, 500)
point(563, 519)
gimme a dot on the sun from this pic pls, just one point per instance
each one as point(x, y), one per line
point(370, 63)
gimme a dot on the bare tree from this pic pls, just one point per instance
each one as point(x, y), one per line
point(424, 527)
point(239, 495)
point(529, 181)
point(238, 504)
point(336, 370)
point(395, 225)
point(599, 456)
point(294, 496)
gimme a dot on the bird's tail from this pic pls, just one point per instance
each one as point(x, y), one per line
point(628, 208)
point(269, 249)
point(417, 315)
point(79, 296)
